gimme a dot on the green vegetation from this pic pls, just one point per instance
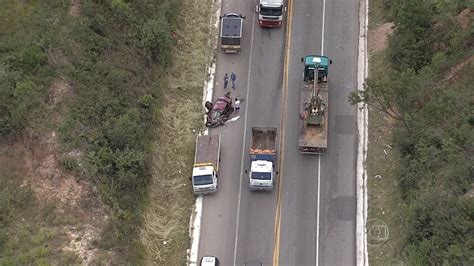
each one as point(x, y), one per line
point(27, 230)
point(24, 68)
point(116, 56)
point(166, 226)
point(424, 83)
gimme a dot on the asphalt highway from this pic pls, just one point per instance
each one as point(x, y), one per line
point(336, 168)
point(295, 224)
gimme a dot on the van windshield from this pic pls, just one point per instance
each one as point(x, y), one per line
point(200, 180)
point(261, 176)
point(271, 11)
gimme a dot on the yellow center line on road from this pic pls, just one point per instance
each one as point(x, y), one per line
point(276, 247)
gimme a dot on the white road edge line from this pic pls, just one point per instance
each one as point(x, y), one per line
point(362, 126)
point(317, 213)
point(319, 156)
point(196, 216)
point(247, 100)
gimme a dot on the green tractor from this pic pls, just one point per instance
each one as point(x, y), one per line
point(316, 64)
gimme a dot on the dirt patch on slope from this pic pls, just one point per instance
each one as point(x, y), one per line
point(464, 18)
point(36, 157)
point(75, 8)
point(39, 159)
point(50, 183)
point(378, 38)
point(48, 178)
point(455, 71)
point(58, 91)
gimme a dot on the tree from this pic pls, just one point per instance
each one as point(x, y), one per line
point(410, 45)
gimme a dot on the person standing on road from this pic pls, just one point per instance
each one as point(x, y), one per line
point(233, 77)
point(226, 80)
point(237, 105)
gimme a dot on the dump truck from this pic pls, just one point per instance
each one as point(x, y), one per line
point(314, 105)
point(206, 164)
point(270, 13)
point(231, 32)
point(262, 158)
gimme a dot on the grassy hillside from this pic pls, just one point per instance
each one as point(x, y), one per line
point(84, 80)
point(421, 92)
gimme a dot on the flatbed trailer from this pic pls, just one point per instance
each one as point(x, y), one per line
point(313, 139)
point(208, 150)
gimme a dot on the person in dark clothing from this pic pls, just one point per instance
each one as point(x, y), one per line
point(226, 80)
point(233, 77)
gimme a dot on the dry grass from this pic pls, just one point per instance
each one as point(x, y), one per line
point(165, 230)
point(377, 13)
point(378, 37)
point(382, 162)
point(384, 199)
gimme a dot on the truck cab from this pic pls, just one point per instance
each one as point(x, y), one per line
point(204, 179)
point(270, 13)
point(261, 175)
point(313, 64)
point(209, 261)
point(253, 263)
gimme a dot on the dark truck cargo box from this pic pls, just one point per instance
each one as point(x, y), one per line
point(231, 32)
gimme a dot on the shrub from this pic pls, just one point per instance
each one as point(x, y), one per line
point(410, 45)
point(70, 163)
point(27, 59)
point(155, 38)
point(126, 131)
point(20, 102)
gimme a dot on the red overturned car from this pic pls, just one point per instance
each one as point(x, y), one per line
point(220, 111)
